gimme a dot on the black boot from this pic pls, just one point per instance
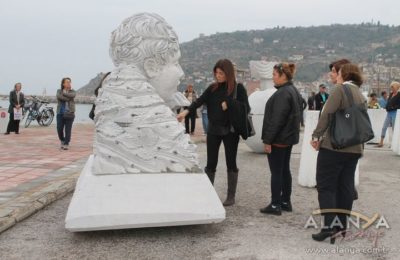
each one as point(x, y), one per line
point(210, 174)
point(324, 234)
point(232, 184)
point(286, 206)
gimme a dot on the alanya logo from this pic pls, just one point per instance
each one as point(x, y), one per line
point(356, 219)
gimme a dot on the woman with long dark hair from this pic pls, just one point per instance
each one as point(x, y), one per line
point(17, 102)
point(336, 167)
point(220, 97)
point(65, 112)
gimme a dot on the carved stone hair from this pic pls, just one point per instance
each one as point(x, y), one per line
point(143, 36)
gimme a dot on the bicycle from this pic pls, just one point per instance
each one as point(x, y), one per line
point(36, 111)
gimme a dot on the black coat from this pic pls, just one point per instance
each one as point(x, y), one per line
point(219, 120)
point(319, 102)
point(393, 102)
point(282, 116)
point(14, 101)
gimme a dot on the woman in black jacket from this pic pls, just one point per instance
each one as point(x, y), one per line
point(17, 101)
point(281, 128)
point(220, 99)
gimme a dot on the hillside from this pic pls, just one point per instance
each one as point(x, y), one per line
point(311, 48)
point(318, 46)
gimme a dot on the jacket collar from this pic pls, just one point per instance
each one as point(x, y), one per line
point(285, 84)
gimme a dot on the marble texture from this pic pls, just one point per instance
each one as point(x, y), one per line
point(144, 171)
point(136, 130)
point(377, 117)
point(103, 202)
point(396, 134)
point(261, 70)
point(4, 117)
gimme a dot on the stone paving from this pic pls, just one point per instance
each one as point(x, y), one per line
point(34, 171)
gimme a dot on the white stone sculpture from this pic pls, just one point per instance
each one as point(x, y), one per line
point(136, 131)
point(396, 134)
point(377, 117)
point(144, 171)
point(3, 119)
point(308, 159)
point(261, 70)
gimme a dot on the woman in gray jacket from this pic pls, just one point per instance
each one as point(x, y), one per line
point(336, 167)
point(65, 112)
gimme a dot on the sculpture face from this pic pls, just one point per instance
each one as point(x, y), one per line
point(168, 77)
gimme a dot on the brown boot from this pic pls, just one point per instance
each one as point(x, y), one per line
point(232, 183)
point(210, 174)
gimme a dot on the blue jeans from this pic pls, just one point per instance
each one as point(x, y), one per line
point(64, 128)
point(389, 121)
point(204, 118)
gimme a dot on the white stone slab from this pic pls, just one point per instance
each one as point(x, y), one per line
point(377, 117)
point(141, 200)
point(396, 134)
point(308, 158)
point(3, 120)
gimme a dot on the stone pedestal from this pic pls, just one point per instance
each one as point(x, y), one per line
point(308, 159)
point(396, 134)
point(257, 101)
point(4, 117)
point(377, 117)
point(141, 200)
point(261, 70)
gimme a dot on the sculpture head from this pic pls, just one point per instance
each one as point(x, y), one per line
point(148, 43)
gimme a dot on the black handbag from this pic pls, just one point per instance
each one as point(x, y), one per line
point(68, 115)
point(350, 126)
point(244, 123)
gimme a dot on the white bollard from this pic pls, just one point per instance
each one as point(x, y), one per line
point(396, 134)
point(377, 117)
point(4, 117)
point(308, 158)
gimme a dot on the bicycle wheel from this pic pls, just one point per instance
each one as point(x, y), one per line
point(28, 120)
point(46, 117)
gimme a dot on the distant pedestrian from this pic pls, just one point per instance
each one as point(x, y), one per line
point(280, 131)
point(321, 97)
point(311, 101)
point(392, 105)
point(373, 102)
point(17, 102)
point(190, 119)
point(383, 99)
point(65, 112)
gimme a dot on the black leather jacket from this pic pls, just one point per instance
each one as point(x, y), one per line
point(282, 116)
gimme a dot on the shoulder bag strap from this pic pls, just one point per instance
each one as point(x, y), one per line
point(348, 93)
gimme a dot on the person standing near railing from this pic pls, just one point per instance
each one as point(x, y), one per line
point(17, 101)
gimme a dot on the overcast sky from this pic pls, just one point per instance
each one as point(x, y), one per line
point(44, 40)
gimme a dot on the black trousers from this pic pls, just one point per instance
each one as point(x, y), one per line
point(281, 177)
point(13, 125)
point(64, 129)
point(192, 118)
point(335, 183)
point(231, 142)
